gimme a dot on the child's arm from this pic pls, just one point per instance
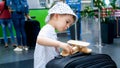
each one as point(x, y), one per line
point(54, 43)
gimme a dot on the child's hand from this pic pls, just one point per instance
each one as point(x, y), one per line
point(66, 47)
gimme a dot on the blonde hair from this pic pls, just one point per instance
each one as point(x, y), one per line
point(74, 18)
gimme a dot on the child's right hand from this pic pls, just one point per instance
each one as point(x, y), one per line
point(66, 47)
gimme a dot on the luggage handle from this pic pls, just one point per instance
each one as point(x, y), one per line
point(33, 17)
point(79, 54)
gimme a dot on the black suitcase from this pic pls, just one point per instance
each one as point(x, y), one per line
point(32, 28)
point(107, 31)
point(80, 60)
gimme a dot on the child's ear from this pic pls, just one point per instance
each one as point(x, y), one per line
point(56, 16)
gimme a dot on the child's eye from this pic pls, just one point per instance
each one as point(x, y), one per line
point(67, 22)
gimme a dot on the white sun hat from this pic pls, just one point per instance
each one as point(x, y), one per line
point(60, 8)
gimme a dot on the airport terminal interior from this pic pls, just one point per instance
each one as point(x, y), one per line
point(24, 59)
point(92, 29)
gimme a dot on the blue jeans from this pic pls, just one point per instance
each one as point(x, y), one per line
point(7, 23)
point(20, 31)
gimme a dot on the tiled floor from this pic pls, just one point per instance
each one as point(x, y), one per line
point(11, 59)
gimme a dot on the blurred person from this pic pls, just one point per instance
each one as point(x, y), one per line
point(5, 21)
point(19, 11)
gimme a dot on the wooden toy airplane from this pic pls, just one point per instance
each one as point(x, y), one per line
point(78, 46)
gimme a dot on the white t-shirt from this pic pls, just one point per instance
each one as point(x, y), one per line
point(43, 54)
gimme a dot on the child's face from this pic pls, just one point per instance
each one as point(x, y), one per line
point(63, 22)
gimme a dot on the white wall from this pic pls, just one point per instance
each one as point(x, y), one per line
point(34, 4)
